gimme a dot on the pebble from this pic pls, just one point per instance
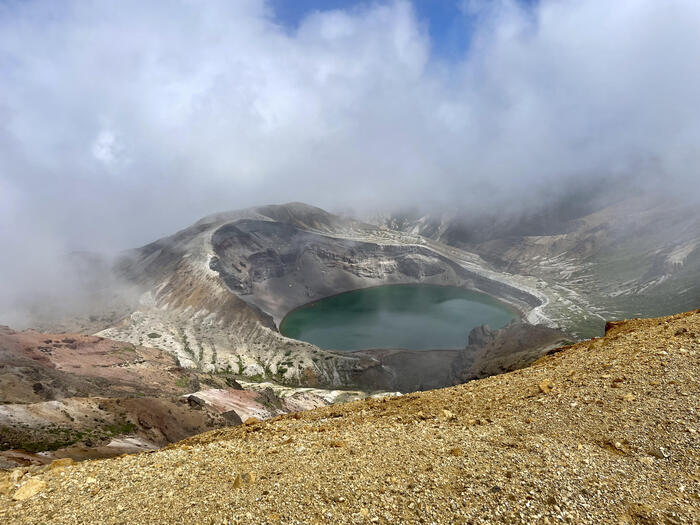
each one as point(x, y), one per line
point(546, 386)
point(29, 488)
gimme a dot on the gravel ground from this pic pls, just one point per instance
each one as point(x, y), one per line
point(605, 431)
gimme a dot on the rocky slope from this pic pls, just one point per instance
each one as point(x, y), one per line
point(604, 431)
point(488, 352)
point(84, 396)
point(212, 294)
point(514, 346)
point(71, 395)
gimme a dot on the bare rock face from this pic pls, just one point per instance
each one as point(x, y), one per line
point(517, 345)
point(488, 352)
point(480, 336)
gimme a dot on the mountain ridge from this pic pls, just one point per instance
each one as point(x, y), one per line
point(629, 255)
point(215, 291)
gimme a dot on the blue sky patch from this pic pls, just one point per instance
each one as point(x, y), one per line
point(449, 28)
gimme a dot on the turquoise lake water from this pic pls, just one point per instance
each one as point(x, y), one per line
point(415, 316)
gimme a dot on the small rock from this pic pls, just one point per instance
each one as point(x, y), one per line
point(456, 451)
point(5, 486)
point(196, 402)
point(29, 488)
point(546, 386)
point(251, 421)
point(17, 474)
point(60, 463)
point(448, 415)
point(247, 478)
point(660, 453)
point(232, 418)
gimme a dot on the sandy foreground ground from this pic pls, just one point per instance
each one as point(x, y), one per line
point(604, 431)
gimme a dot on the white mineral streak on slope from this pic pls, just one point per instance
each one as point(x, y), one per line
point(131, 444)
point(678, 255)
point(328, 395)
point(248, 403)
point(477, 265)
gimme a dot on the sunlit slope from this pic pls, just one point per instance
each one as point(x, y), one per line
point(604, 431)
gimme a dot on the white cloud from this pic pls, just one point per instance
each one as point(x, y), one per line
point(106, 148)
point(215, 106)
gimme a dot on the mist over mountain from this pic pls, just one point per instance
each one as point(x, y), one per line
point(119, 125)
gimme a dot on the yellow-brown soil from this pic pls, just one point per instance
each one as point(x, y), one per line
point(605, 431)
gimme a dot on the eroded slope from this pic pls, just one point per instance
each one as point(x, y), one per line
point(78, 396)
point(604, 431)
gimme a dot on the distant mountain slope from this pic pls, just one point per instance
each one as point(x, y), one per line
point(635, 256)
point(604, 431)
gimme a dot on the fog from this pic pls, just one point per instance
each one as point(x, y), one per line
point(121, 122)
